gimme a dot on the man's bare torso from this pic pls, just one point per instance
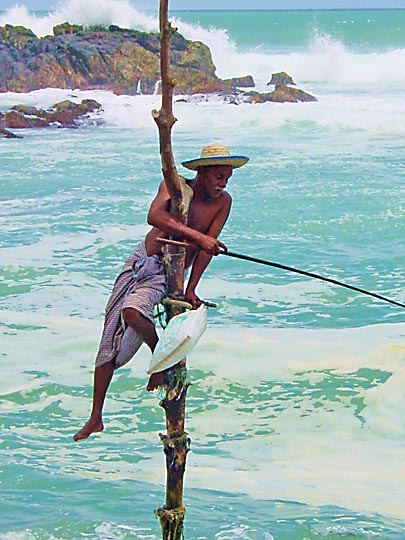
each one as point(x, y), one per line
point(201, 215)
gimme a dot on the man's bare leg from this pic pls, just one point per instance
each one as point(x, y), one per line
point(146, 329)
point(103, 374)
point(102, 378)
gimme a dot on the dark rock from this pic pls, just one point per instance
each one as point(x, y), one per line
point(77, 109)
point(241, 82)
point(16, 120)
point(179, 42)
point(26, 110)
point(89, 105)
point(63, 114)
point(16, 36)
point(66, 28)
point(64, 105)
point(62, 118)
point(281, 79)
point(111, 28)
point(281, 94)
point(100, 27)
point(286, 94)
point(6, 134)
point(233, 101)
point(114, 59)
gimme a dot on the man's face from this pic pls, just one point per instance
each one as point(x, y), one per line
point(215, 179)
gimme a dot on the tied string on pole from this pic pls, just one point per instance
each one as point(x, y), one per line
point(288, 268)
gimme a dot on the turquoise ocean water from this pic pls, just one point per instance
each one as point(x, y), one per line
point(296, 411)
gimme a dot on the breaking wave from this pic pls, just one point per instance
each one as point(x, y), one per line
point(325, 60)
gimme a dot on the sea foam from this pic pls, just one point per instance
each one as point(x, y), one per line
point(312, 403)
point(350, 113)
point(325, 61)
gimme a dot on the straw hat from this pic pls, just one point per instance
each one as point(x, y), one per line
point(215, 154)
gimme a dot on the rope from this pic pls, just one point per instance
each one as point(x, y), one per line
point(160, 315)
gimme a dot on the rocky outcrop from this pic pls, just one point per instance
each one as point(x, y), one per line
point(17, 120)
point(118, 60)
point(115, 59)
point(63, 114)
point(283, 91)
point(5, 133)
point(240, 82)
point(281, 79)
point(66, 28)
point(281, 94)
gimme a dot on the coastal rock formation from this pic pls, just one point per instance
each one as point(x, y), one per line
point(235, 96)
point(283, 91)
point(281, 79)
point(5, 133)
point(118, 60)
point(240, 82)
point(114, 59)
point(63, 114)
point(282, 94)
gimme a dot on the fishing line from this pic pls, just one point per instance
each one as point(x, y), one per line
point(289, 269)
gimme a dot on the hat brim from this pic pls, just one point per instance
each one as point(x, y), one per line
point(233, 161)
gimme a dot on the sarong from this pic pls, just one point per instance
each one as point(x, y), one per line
point(140, 285)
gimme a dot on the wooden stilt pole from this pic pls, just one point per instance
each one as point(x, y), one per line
point(175, 441)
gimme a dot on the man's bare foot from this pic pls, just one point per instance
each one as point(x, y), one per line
point(92, 426)
point(156, 380)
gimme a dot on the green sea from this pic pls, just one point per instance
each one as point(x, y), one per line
point(296, 408)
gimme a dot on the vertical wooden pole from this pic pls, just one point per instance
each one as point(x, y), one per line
point(176, 443)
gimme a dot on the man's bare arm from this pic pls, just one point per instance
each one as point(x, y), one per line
point(159, 216)
point(203, 258)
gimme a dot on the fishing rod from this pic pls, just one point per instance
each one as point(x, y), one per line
point(289, 269)
point(310, 274)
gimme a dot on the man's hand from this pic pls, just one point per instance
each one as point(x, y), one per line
point(193, 299)
point(209, 244)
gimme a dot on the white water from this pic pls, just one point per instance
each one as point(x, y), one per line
point(351, 113)
point(119, 12)
point(332, 446)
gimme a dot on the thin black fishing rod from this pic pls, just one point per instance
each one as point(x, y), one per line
point(288, 268)
point(309, 274)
